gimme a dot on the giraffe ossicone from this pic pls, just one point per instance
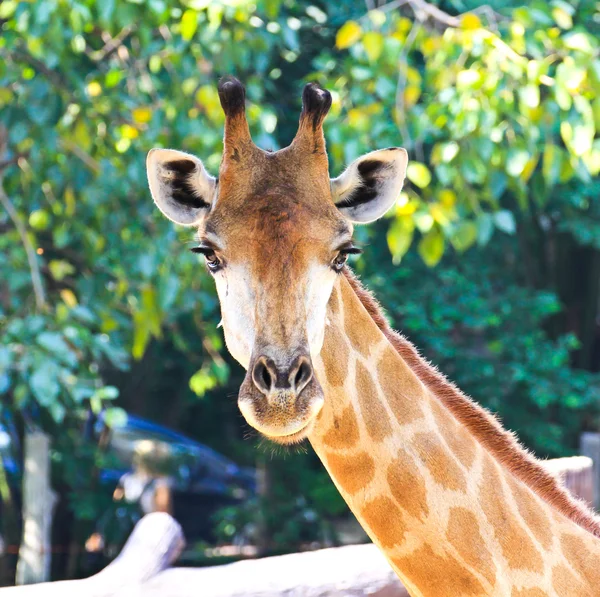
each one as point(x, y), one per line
point(456, 504)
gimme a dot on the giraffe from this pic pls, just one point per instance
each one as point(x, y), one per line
point(456, 504)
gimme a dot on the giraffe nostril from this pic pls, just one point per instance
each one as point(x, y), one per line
point(265, 377)
point(303, 375)
point(262, 376)
point(268, 377)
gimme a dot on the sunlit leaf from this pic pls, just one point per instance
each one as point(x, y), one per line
point(418, 174)
point(373, 44)
point(551, 163)
point(400, 236)
point(59, 268)
point(141, 115)
point(464, 236)
point(516, 161)
point(68, 296)
point(431, 247)
point(348, 34)
point(562, 17)
point(202, 381)
point(470, 21)
point(39, 219)
point(115, 417)
point(189, 24)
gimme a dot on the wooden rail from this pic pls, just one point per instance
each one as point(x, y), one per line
point(142, 568)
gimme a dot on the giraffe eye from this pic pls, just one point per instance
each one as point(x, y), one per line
point(213, 263)
point(339, 261)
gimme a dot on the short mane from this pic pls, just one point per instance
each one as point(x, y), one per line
point(484, 426)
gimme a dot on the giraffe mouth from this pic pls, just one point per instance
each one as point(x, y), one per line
point(281, 408)
point(292, 438)
point(286, 434)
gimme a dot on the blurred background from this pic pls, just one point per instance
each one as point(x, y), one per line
point(490, 261)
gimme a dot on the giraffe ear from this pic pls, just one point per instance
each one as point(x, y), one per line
point(181, 187)
point(370, 185)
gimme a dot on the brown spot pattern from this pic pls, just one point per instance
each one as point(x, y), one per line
point(581, 558)
point(532, 511)
point(376, 418)
point(335, 354)
point(483, 426)
point(517, 547)
point(400, 387)
point(353, 473)
point(344, 431)
point(528, 593)
point(407, 485)
point(565, 583)
point(362, 334)
point(439, 462)
point(438, 575)
point(385, 521)
point(462, 444)
point(334, 302)
point(464, 535)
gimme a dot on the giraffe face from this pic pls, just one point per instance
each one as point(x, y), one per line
point(275, 232)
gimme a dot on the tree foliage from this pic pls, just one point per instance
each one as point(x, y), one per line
point(495, 240)
point(498, 118)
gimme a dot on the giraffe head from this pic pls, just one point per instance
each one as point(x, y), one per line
point(275, 231)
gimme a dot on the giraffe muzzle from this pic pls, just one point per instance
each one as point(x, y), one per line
point(281, 399)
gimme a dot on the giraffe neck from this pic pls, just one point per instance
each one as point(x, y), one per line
point(448, 512)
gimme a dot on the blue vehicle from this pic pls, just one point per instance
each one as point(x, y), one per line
point(202, 481)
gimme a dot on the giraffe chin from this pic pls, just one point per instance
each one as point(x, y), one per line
point(292, 432)
point(292, 438)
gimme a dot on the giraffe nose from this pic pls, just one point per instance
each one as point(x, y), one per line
point(268, 377)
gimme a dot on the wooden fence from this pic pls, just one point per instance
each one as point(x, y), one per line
point(143, 567)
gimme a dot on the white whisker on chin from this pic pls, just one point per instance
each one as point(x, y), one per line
point(220, 324)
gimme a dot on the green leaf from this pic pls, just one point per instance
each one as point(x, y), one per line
point(551, 164)
point(373, 44)
point(55, 344)
point(202, 381)
point(418, 174)
point(141, 335)
point(505, 221)
point(59, 268)
point(485, 229)
point(431, 247)
point(348, 34)
point(189, 24)
point(115, 417)
point(39, 219)
point(399, 237)
point(530, 95)
point(57, 411)
point(562, 17)
point(464, 236)
point(516, 161)
point(580, 41)
point(44, 383)
point(107, 393)
point(106, 9)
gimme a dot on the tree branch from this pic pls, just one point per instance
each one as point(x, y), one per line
point(54, 77)
point(87, 159)
point(424, 11)
point(10, 161)
point(36, 278)
point(111, 46)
